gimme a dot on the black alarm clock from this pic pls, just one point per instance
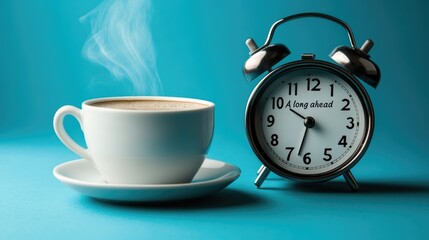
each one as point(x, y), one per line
point(310, 120)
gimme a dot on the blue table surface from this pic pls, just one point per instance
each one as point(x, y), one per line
point(392, 201)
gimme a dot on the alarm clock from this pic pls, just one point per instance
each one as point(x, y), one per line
point(310, 120)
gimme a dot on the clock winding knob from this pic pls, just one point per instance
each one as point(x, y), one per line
point(251, 44)
point(366, 46)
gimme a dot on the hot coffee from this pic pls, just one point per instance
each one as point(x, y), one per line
point(163, 143)
point(161, 105)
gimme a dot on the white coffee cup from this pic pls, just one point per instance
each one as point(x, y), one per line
point(162, 142)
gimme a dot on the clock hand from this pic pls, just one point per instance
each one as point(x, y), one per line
point(302, 141)
point(296, 113)
point(309, 122)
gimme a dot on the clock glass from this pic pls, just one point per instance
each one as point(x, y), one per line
point(310, 120)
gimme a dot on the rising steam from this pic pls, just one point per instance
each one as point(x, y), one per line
point(121, 42)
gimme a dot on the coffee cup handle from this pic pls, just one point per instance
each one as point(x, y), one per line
point(63, 135)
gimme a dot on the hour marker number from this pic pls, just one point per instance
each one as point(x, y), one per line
point(293, 88)
point(270, 120)
point(351, 121)
point(316, 85)
point(343, 141)
point(290, 149)
point(328, 155)
point(306, 158)
point(346, 106)
point(277, 102)
point(274, 140)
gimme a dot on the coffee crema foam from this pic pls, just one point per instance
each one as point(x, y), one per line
point(161, 105)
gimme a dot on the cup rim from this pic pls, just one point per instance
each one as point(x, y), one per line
point(207, 104)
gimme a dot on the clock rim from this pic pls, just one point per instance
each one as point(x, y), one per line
point(326, 66)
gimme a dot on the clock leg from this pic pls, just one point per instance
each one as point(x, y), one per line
point(351, 181)
point(263, 174)
point(260, 169)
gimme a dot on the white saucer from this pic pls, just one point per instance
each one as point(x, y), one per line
point(81, 176)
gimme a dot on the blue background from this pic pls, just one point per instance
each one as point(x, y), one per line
point(200, 49)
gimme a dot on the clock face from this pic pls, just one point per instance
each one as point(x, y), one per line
point(310, 121)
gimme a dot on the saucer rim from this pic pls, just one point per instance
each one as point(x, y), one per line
point(73, 181)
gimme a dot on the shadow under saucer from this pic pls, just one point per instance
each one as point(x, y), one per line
point(224, 199)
